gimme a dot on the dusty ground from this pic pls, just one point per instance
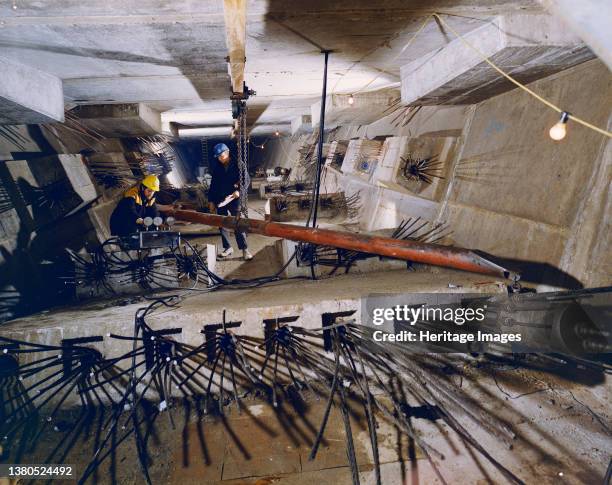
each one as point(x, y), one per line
point(562, 427)
point(562, 423)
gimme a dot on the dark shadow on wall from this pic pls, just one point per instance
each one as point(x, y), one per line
point(536, 272)
point(31, 270)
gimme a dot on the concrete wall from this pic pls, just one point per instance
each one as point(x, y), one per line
point(509, 189)
point(49, 201)
point(517, 193)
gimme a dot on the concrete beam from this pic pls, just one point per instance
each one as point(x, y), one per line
point(29, 96)
point(209, 131)
point(528, 47)
point(235, 33)
point(270, 129)
point(120, 120)
point(589, 20)
point(365, 108)
point(41, 172)
point(199, 116)
point(169, 128)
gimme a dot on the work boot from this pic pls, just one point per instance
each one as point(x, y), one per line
point(226, 252)
point(247, 255)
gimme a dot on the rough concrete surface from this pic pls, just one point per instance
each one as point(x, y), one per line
point(172, 56)
point(560, 426)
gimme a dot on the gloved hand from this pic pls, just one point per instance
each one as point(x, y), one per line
point(140, 220)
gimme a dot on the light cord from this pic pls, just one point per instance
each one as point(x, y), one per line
point(520, 85)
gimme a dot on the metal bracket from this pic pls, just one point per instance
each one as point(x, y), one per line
point(210, 332)
point(153, 347)
point(239, 100)
point(328, 320)
point(68, 345)
point(271, 325)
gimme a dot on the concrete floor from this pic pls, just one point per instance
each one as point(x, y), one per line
point(562, 423)
point(562, 429)
point(540, 453)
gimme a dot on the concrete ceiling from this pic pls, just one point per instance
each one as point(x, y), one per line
point(171, 55)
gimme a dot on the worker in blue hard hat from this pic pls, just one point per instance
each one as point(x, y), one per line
point(224, 196)
point(137, 203)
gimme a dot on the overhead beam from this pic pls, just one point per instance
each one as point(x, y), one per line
point(529, 47)
point(208, 131)
point(235, 33)
point(301, 124)
point(362, 109)
point(28, 95)
point(120, 120)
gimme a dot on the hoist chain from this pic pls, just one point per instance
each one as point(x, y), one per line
point(204, 152)
point(243, 162)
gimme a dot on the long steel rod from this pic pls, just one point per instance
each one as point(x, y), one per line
point(418, 252)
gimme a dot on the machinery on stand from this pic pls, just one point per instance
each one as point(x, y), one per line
point(156, 258)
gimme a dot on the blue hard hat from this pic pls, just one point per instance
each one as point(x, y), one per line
point(219, 149)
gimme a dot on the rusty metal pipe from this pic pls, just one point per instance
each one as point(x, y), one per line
point(434, 254)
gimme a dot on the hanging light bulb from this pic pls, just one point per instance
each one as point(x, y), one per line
point(276, 133)
point(351, 100)
point(559, 129)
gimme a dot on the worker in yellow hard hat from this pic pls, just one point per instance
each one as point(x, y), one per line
point(137, 203)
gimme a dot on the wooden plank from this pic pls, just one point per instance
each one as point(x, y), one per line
point(235, 34)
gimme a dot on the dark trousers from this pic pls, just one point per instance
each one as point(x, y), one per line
point(231, 209)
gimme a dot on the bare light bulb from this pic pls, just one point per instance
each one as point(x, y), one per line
point(351, 100)
point(276, 133)
point(559, 129)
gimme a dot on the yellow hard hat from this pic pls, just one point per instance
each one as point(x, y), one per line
point(151, 182)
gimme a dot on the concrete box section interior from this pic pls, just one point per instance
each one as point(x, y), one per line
point(470, 134)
